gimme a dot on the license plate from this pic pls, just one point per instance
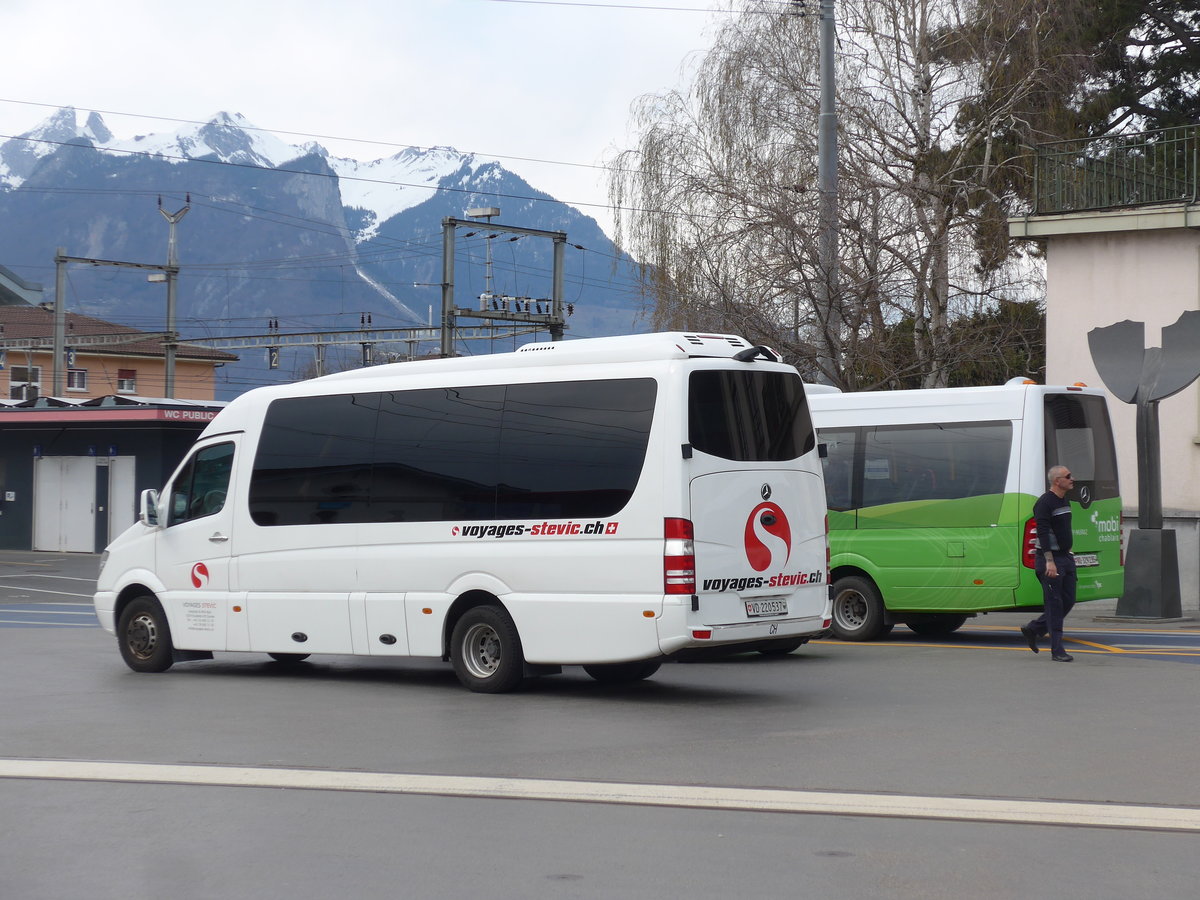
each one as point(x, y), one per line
point(756, 608)
point(1086, 559)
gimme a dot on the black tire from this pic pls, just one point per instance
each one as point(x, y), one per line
point(288, 659)
point(935, 624)
point(623, 673)
point(485, 649)
point(783, 647)
point(858, 613)
point(144, 637)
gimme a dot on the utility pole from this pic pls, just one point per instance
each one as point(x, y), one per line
point(59, 350)
point(827, 156)
point(172, 271)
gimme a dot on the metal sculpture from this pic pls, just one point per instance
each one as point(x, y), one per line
point(1135, 374)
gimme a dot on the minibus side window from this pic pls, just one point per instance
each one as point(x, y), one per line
point(936, 461)
point(313, 464)
point(573, 449)
point(838, 467)
point(202, 485)
point(749, 416)
point(435, 455)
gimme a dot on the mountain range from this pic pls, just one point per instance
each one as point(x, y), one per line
point(287, 233)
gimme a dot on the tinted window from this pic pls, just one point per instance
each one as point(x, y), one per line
point(838, 468)
point(1079, 436)
point(748, 415)
point(202, 484)
point(436, 455)
point(949, 461)
point(560, 450)
point(573, 449)
point(313, 464)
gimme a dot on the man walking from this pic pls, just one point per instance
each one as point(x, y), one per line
point(1055, 564)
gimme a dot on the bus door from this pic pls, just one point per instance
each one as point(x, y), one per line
point(193, 547)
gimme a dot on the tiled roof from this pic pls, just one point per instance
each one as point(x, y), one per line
point(38, 322)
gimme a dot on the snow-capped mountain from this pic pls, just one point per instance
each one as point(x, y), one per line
point(285, 231)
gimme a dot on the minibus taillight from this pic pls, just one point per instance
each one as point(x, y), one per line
point(1029, 546)
point(679, 557)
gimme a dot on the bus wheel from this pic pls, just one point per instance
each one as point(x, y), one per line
point(623, 673)
point(935, 623)
point(144, 636)
point(858, 610)
point(782, 647)
point(288, 658)
point(486, 651)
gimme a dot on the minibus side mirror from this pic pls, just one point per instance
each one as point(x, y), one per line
point(148, 507)
point(823, 451)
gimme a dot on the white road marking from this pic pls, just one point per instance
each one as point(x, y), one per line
point(59, 577)
point(58, 624)
point(967, 809)
point(36, 610)
point(22, 589)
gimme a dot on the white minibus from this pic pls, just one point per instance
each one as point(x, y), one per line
point(608, 502)
point(931, 496)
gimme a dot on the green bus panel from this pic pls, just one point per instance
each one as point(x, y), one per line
point(961, 556)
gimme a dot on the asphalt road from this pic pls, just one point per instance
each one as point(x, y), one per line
point(904, 768)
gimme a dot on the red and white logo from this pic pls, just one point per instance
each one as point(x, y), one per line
point(768, 537)
point(199, 575)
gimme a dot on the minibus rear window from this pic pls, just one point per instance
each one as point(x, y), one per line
point(1079, 436)
point(749, 416)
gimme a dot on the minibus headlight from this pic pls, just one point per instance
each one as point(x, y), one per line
point(103, 560)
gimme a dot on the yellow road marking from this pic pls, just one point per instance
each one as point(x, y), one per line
point(1101, 648)
point(1104, 647)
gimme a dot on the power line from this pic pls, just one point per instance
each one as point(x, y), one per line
point(780, 3)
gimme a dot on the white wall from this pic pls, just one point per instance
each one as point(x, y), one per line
point(1149, 275)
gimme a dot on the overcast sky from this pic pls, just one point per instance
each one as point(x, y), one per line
point(511, 80)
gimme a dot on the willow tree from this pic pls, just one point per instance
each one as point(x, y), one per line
point(719, 201)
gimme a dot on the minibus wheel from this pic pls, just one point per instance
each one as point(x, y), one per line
point(858, 613)
point(623, 673)
point(485, 649)
point(144, 636)
point(933, 624)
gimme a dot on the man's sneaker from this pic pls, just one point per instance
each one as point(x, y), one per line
point(1031, 637)
point(1062, 657)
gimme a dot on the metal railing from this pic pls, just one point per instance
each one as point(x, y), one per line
point(1140, 169)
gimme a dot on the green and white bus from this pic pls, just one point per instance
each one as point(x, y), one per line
point(931, 492)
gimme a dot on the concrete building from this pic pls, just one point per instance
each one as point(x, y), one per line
point(1120, 224)
point(71, 467)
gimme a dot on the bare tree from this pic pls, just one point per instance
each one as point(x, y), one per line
point(718, 201)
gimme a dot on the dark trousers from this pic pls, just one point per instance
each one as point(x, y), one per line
point(1058, 596)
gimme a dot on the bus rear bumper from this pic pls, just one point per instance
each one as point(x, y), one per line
point(700, 636)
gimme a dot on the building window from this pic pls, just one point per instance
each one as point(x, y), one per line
point(76, 379)
point(24, 382)
point(126, 381)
